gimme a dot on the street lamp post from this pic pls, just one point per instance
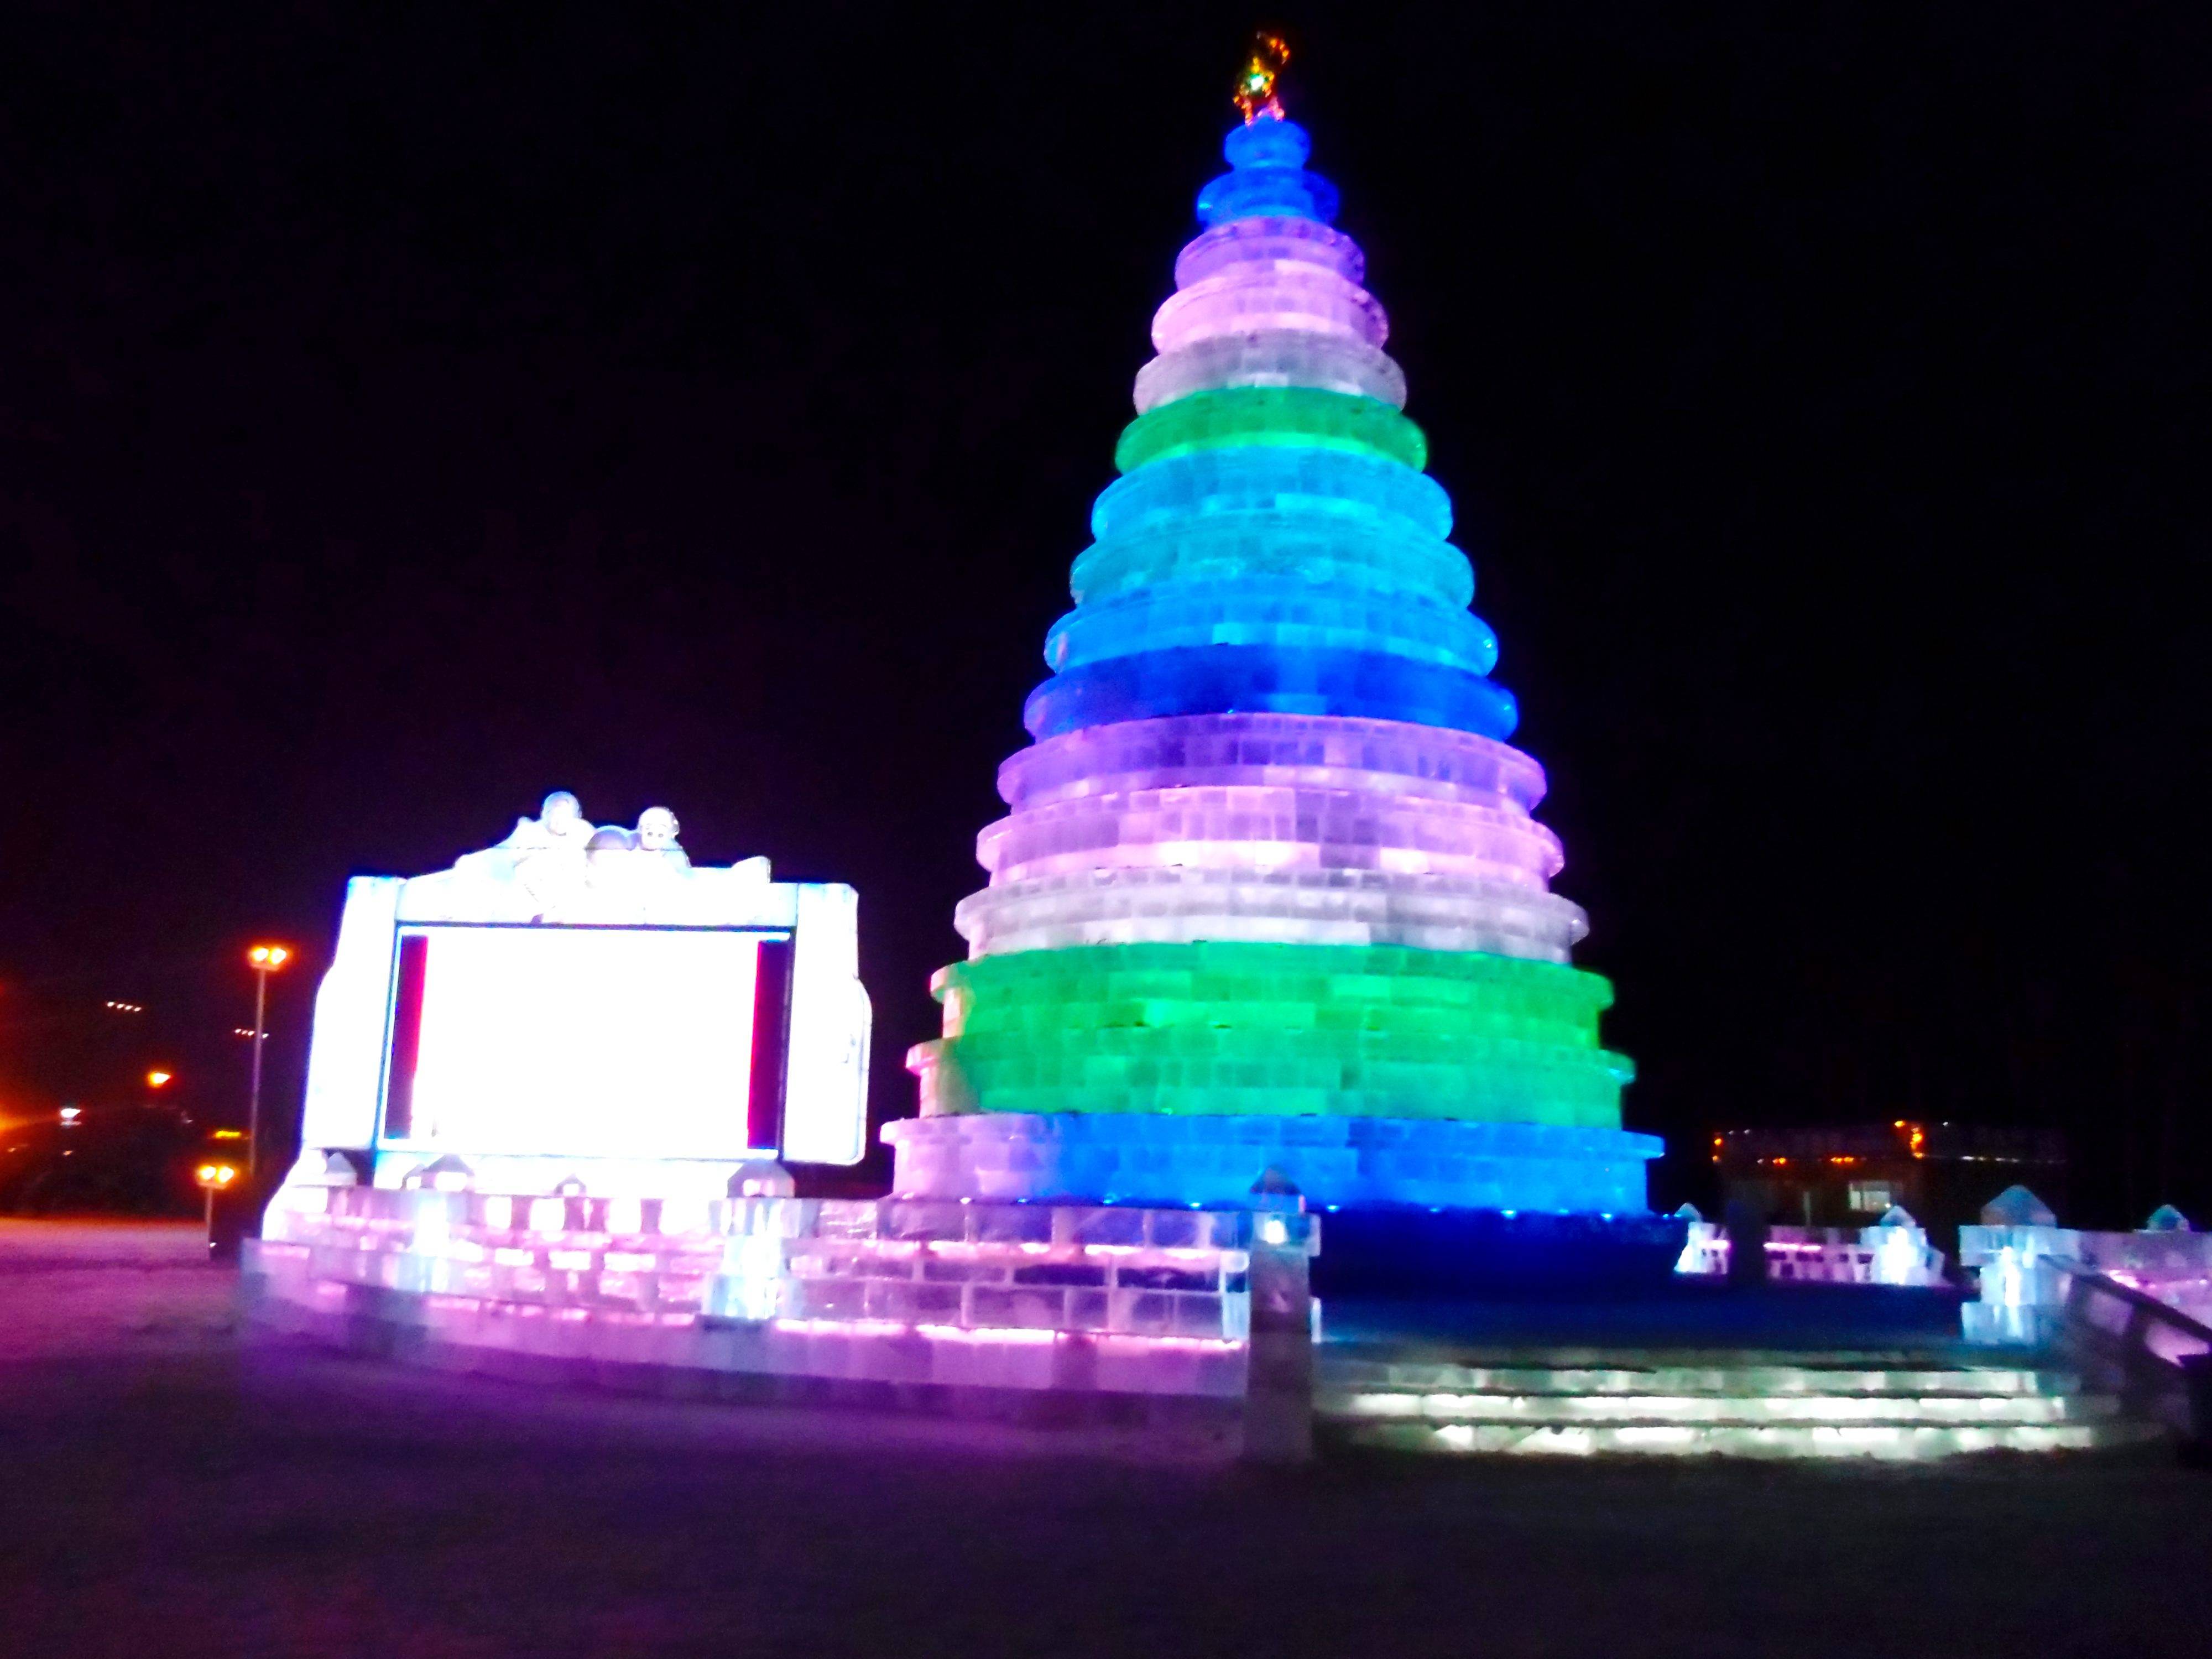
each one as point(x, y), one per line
point(214, 1178)
point(265, 960)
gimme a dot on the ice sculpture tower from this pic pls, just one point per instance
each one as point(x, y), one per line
point(1269, 893)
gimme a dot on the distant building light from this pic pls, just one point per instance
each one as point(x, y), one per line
point(1871, 1197)
point(158, 1079)
point(230, 1135)
point(71, 1113)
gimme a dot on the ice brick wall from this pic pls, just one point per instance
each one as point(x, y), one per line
point(1151, 1301)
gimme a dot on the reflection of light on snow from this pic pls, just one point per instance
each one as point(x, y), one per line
point(635, 1042)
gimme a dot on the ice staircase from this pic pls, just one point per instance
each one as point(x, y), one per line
point(1900, 1405)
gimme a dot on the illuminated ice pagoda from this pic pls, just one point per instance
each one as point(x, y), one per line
point(1269, 894)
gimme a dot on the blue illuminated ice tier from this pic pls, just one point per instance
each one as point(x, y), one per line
point(1270, 895)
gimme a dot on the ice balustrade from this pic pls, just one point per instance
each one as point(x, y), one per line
point(2026, 1273)
point(1888, 1253)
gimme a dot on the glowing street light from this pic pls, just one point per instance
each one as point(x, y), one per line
point(158, 1079)
point(264, 959)
point(213, 1177)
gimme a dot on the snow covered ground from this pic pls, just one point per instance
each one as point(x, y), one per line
point(167, 1489)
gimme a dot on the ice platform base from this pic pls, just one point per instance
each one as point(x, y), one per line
point(898, 1303)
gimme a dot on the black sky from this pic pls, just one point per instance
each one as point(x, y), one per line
point(406, 412)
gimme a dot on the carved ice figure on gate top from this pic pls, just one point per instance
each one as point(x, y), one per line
point(656, 832)
point(550, 852)
point(559, 867)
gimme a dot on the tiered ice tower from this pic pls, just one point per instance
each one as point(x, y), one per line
point(1269, 894)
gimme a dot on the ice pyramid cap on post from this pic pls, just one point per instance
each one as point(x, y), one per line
point(2016, 1206)
point(2167, 1220)
point(1274, 1190)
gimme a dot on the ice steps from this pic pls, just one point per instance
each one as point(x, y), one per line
point(1837, 1405)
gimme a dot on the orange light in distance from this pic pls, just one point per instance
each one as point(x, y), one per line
point(157, 1078)
point(266, 956)
point(216, 1175)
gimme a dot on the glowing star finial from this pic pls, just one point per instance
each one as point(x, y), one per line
point(1256, 86)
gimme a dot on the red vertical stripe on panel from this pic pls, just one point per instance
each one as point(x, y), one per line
point(771, 1028)
point(406, 1037)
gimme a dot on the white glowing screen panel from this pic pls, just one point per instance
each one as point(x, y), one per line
point(584, 1042)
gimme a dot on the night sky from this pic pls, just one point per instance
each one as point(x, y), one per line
point(404, 412)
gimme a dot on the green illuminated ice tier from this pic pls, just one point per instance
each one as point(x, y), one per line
point(1307, 417)
point(1232, 1029)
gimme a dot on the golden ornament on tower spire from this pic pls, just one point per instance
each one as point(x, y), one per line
point(1256, 86)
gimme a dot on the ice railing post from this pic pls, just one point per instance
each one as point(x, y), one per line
point(1278, 1386)
point(2015, 1254)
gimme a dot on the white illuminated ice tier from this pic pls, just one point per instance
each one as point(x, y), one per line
point(581, 1009)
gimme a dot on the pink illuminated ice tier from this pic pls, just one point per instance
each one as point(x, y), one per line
point(1270, 895)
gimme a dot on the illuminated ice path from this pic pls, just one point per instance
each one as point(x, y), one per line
point(1269, 891)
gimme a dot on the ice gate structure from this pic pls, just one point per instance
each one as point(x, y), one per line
point(583, 1006)
point(1269, 894)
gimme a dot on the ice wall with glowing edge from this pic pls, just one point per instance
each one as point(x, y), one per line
point(1270, 890)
